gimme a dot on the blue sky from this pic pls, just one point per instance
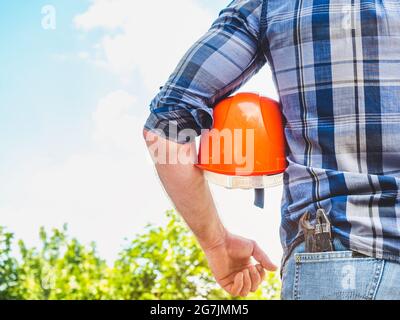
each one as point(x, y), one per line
point(72, 103)
point(46, 97)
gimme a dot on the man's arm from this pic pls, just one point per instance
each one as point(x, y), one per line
point(189, 191)
point(214, 67)
point(229, 256)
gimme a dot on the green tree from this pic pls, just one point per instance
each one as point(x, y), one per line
point(61, 269)
point(8, 267)
point(160, 263)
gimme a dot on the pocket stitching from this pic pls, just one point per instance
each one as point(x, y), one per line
point(328, 256)
point(374, 283)
point(296, 295)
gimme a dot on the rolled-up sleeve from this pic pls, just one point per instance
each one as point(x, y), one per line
point(213, 68)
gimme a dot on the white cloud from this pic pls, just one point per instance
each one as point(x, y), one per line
point(148, 37)
point(113, 124)
point(83, 55)
point(108, 14)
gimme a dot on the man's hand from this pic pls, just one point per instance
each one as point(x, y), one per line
point(232, 266)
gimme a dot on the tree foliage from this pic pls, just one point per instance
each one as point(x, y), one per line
point(160, 263)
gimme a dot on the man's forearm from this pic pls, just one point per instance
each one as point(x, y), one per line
point(189, 191)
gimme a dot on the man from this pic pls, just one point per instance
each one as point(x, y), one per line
point(337, 70)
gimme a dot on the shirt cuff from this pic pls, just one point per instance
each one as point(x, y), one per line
point(180, 126)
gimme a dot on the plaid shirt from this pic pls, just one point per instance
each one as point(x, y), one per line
point(336, 65)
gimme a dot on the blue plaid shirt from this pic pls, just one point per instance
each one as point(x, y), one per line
point(336, 65)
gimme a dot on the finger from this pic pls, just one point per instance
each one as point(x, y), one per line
point(237, 284)
point(261, 271)
point(262, 258)
point(255, 278)
point(246, 283)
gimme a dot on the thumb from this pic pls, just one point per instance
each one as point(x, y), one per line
point(262, 258)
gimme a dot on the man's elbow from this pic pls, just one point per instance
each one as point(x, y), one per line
point(145, 134)
point(149, 137)
point(166, 151)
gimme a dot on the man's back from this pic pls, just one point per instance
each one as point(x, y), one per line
point(336, 66)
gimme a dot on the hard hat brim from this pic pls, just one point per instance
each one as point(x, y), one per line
point(239, 173)
point(244, 182)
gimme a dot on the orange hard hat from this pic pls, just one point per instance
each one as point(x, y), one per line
point(246, 146)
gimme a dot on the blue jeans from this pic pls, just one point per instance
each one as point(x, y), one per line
point(339, 275)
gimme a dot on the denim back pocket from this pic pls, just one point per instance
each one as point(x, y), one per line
point(336, 276)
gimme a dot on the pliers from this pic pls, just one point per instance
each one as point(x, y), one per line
point(318, 237)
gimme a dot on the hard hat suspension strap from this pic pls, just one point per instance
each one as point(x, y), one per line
point(259, 195)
